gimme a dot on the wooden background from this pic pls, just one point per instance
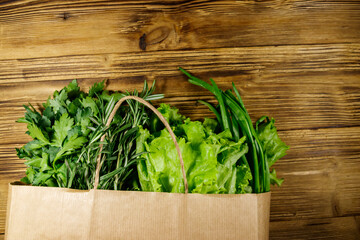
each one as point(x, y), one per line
point(297, 61)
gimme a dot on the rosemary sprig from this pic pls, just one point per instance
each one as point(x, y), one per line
point(118, 153)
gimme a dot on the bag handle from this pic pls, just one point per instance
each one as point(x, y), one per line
point(162, 119)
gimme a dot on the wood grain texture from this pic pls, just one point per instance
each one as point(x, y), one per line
point(321, 173)
point(297, 61)
point(56, 28)
point(311, 229)
point(282, 82)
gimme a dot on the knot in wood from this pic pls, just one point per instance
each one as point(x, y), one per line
point(155, 36)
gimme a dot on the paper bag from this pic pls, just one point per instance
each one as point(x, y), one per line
point(59, 213)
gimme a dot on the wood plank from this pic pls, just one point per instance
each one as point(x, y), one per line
point(321, 174)
point(282, 82)
point(311, 229)
point(320, 171)
point(57, 28)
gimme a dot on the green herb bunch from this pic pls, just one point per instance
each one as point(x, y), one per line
point(66, 138)
point(265, 146)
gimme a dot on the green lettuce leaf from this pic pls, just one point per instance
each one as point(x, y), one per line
point(273, 146)
point(212, 161)
point(274, 180)
point(170, 114)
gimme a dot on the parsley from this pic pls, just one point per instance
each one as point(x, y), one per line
point(66, 137)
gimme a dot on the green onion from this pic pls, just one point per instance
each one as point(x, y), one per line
point(234, 116)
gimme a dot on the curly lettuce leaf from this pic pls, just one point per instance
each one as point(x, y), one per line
point(212, 161)
point(170, 114)
point(273, 146)
point(274, 179)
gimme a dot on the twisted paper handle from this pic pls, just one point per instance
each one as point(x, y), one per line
point(162, 119)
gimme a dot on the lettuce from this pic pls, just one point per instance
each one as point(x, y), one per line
point(211, 160)
point(265, 146)
point(274, 147)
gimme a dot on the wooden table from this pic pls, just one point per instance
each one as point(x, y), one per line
point(297, 61)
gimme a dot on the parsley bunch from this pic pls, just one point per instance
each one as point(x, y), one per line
point(66, 137)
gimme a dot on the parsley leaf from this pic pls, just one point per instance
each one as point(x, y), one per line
point(61, 128)
point(73, 143)
point(96, 88)
point(66, 137)
point(36, 132)
point(89, 102)
point(58, 102)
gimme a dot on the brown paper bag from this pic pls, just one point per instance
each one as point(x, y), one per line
point(60, 213)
